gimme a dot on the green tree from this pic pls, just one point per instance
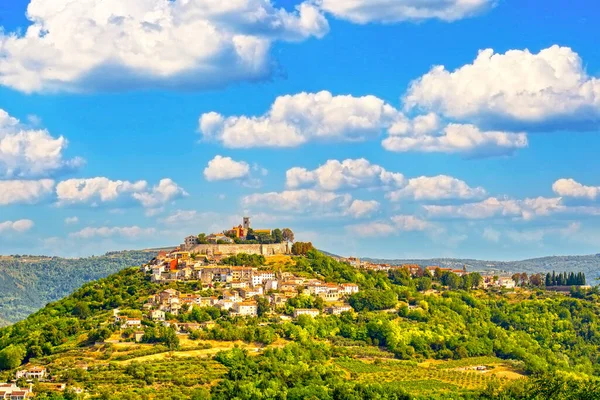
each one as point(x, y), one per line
point(277, 235)
point(263, 305)
point(81, 310)
point(12, 356)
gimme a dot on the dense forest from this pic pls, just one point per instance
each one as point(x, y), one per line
point(408, 337)
point(28, 283)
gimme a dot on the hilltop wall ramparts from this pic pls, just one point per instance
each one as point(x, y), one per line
point(231, 249)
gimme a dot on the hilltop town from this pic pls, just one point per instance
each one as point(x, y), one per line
point(261, 289)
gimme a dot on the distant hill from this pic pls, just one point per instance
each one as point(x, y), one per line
point(28, 283)
point(588, 264)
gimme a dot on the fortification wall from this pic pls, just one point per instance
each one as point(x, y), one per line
point(231, 249)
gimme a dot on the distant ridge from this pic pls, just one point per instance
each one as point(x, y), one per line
point(588, 264)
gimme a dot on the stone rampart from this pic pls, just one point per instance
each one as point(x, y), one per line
point(231, 249)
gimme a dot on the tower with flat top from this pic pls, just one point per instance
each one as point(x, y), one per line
point(246, 224)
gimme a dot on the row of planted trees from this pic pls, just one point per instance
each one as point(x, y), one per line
point(550, 279)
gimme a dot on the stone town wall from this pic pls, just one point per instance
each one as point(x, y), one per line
point(231, 249)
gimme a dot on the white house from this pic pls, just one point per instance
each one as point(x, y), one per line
point(271, 284)
point(246, 308)
point(258, 278)
point(506, 282)
point(313, 312)
point(13, 392)
point(337, 310)
point(157, 315)
point(32, 373)
point(349, 288)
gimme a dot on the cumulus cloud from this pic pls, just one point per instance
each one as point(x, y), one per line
point(493, 207)
point(71, 220)
point(545, 90)
point(395, 225)
point(105, 232)
point(362, 208)
point(304, 200)
point(296, 119)
point(20, 191)
point(390, 11)
point(466, 139)
point(350, 173)
point(87, 45)
point(101, 189)
point(572, 188)
point(436, 188)
point(20, 226)
point(225, 168)
point(160, 194)
point(26, 153)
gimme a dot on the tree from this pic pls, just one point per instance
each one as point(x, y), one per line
point(288, 235)
point(81, 310)
point(516, 278)
point(202, 238)
point(263, 305)
point(535, 280)
point(374, 299)
point(277, 235)
point(423, 284)
point(301, 248)
point(524, 279)
point(476, 279)
point(12, 356)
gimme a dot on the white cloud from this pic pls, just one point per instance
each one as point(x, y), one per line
point(334, 175)
point(390, 11)
point(491, 235)
point(189, 217)
point(454, 138)
point(100, 189)
point(161, 194)
point(362, 208)
point(408, 223)
point(572, 188)
point(87, 45)
point(71, 220)
point(28, 152)
point(95, 189)
point(493, 207)
point(548, 90)
point(297, 119)
point(436, 188)
point(396, 224)
point(225, 168)
point(20, 226)
point(304, 200)
point(14, 192)
point(372, 229)
point(104, 232)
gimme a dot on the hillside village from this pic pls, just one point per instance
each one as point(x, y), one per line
point(245, 273)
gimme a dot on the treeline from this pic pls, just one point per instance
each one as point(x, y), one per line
point(565, 279)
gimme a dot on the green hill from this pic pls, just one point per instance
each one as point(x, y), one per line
point(407, 338)
point(27, 283)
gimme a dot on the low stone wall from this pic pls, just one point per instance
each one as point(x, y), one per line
point(231, 249)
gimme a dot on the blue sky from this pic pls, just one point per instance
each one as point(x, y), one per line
point(132, 125)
